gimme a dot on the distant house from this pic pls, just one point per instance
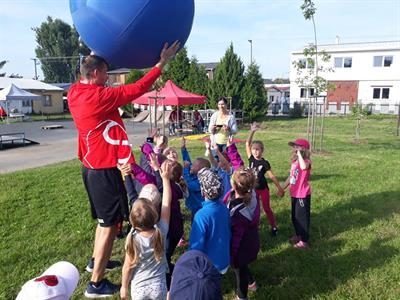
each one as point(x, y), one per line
point(53, 95)
point(65, 86)
point(118, 76)
point(210, 68)
point(367, 73)
point(277, 92)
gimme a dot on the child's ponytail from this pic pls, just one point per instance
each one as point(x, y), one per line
point(158, 245)
point(132, 248)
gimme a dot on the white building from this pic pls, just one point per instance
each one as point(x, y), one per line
point(367, 73)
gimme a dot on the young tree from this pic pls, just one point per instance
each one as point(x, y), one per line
point(311, 77)
point(177, 69)
point(253, 94)
point(358, 113)
point(59, 50)
point(228, 79)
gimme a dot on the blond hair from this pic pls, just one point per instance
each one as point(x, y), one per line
point(143, 217)
point(243, 181)
point(151, 192)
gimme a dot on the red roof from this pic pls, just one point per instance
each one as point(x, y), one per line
point(172, 94)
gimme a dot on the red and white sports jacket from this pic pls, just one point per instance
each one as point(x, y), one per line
point(102, 138)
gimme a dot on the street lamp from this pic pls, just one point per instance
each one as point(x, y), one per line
point(251, 51)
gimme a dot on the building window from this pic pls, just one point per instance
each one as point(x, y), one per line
point(338, 62)
point(343, 62)
point(378, 61)
point(304, 92)
point(381, 93)
point(287, 94)
point(47, 100)
point(376, 94)
point(383, 61)
point(26, 103)
point(385, 93)
point(310, 63)
point(347, 62)
point(302, 63)
point(387, 61)
point(271, 98)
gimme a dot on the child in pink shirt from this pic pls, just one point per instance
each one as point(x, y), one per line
point(300, 191)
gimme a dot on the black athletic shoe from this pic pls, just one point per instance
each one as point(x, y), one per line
point(111, 264)
point(104, 289)
point(274, 232)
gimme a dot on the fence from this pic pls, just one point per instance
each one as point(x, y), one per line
point(334, 108)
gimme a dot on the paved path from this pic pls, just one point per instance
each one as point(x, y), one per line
point(56, 145)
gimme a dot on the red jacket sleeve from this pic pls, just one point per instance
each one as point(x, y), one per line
point(111, 98)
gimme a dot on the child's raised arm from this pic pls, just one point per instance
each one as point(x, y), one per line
point(210, 155)
point(303, 164)
point(253, 128)
point(234, 155)
point(165, 172)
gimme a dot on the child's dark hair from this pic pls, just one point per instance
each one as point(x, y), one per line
point(143, 216)
point(91, 63)
point(203, 163)
point(223, 99)
point(258, 142)
point(243, 181)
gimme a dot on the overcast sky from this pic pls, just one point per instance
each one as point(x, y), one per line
point(276, 28)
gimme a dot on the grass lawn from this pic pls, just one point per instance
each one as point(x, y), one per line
point(355, 219)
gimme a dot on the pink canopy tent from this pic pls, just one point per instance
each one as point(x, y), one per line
point(171, 95)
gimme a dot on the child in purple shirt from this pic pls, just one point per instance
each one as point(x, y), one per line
point(244, 211)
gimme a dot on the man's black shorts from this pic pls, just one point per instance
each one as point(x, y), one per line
point(107, 195)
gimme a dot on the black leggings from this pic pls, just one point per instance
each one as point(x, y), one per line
point(243, 279)
point(301, 210)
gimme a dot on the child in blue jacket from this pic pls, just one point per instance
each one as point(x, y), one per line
point(211, 232)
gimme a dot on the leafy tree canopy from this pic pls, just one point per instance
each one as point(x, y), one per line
point(254, 96)
point(228, 79)
point(58, 49)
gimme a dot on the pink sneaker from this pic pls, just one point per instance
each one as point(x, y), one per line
point(302, 245)
point(182, 243)
point(252, 287)
point(294, 239)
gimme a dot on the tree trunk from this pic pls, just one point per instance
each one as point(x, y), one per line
point(321, 140)
point(358, 130)
point(308, 119)
point(398, 120)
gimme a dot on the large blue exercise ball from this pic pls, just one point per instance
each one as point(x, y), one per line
point(131, 33)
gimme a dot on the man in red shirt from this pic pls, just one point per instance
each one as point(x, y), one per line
point(102, 146)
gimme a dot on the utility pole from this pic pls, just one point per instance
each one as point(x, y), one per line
point(251, 51)
point(35, 64)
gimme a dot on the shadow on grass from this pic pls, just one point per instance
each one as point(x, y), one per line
point(342, 249)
